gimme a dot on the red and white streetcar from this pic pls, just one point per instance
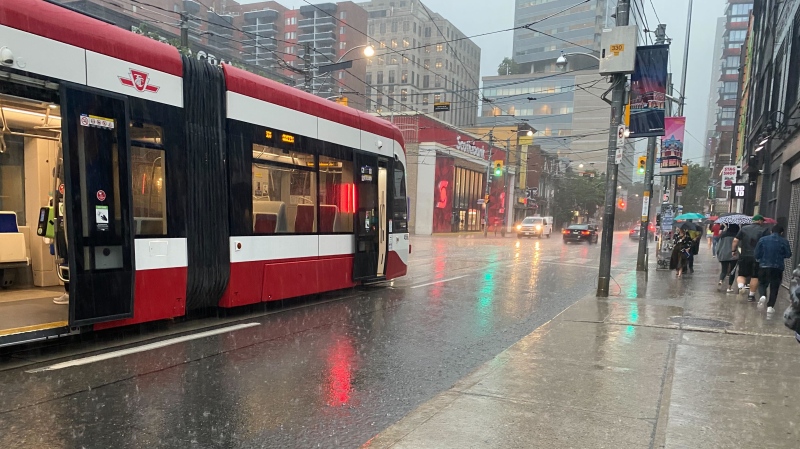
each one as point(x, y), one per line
point(153, 184)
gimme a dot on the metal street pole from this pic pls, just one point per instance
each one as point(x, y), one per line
point(309, 75)
point(505, 189)
point(488, 185)
point(617, 94)
point(184, 30)
point(685, 60)
point(647, 195)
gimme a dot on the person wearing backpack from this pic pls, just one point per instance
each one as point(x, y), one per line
point(770, 253)
point(726, 256)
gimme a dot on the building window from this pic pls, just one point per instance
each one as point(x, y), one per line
point(371, 29)
point(427, 31)
point(394, 43)
point(284, 186)
point(380, 60)
point(342, 45)
point(393, 59)
point(380, 76)
point(439, 48)
point(379, 104)
point(406, 26)
point(368, 79)
point(730, 86)
point(383, 28)
point(391, 76)
point(438, 63)
point(425, 99)
point(406, 42)
point(390, 102)
point(394, 27)
point(437, 98)
point(343, 15)
point(341, 30)
point(405, 59)
point(415, 28)
point(426, 81)
point(382, 44)
point(427, 64)
point(403, 94)
point(437, 81)
point(404, 77)
point(341, 74)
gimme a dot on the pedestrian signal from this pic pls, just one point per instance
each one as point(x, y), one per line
point(641, 167)
point(498, 168)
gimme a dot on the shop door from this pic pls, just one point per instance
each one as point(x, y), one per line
point(370, 226)
point(98, 205)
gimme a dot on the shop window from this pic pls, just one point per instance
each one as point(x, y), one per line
point(284, 188)
point(149, 180)
point(336, 195)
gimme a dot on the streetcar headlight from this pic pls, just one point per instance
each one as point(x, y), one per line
point(519, 227)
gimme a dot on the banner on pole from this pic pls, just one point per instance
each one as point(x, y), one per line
point(649, 91)
point(672, 146)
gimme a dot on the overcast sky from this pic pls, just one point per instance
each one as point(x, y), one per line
point(480, 16)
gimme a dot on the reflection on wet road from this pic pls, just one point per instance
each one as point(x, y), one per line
point(332, 374)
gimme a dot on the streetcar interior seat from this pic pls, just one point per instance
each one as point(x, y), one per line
point(328, 218)
point(304, 220)
point(13, 244)
point(269, 217)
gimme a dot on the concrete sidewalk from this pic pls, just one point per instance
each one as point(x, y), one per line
point(666, 363)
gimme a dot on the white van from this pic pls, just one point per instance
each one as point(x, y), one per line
point(535, 226)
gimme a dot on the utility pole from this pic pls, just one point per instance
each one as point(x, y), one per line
point(647, 195)
point(184, 30)
point(618, 81)
point(505, 188)
point(488, 186)
point(309, 74)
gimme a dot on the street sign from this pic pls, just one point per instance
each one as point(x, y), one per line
point(739, 190)
point(728, 177)
point(480, 201)
point(645, 206)
point(620, 144)
point(441, 107)
point(337, 66)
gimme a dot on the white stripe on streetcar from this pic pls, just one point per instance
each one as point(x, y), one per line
point(147, 347)
point(439, 281)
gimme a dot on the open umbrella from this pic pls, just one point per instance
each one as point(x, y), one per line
point(690, 216)
point(737, 219)
point(770, 221)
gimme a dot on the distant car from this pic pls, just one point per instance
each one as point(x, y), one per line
point(634, 232)
point(534, 226)
point(580, 233)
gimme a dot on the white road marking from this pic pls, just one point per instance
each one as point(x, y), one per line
point(439, 281)
point(147, 347)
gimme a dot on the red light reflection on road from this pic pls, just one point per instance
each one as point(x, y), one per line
point(341, 359)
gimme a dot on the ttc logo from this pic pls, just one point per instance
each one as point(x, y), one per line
point(139, 81)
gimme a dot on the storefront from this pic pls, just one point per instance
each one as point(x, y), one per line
point(447, 171)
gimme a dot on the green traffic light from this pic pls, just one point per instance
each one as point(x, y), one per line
point(498, 172)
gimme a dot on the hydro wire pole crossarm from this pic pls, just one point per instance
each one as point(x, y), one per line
point(647, 195)
point(617, 94)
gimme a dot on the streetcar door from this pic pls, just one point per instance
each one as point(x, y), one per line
point(98, 205)
point(370, 226)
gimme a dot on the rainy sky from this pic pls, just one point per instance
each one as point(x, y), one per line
point(472, 18)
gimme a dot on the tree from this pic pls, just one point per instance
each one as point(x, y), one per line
point(696, 191)
point(508, 67)
point(577, 194)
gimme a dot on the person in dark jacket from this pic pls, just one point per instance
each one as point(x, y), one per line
point(682, 251)
point(770, 253)
point(725, 255)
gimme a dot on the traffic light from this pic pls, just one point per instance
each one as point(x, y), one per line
point(621, 204)
point(641, 166)
point(683, 180)
point(498, 168)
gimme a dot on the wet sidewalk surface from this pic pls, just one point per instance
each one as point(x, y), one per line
point(666, 363)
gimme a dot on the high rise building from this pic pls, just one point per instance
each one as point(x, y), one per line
point(264, 37)
point(737, 17)
point(421, 59)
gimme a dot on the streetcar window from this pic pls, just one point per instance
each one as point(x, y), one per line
point(284, 191)
point(399, 205)
point(336, 195)
point(149, 187)
point(12, 176)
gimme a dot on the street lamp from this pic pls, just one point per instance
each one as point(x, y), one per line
point(369, 51)
point(561, 62)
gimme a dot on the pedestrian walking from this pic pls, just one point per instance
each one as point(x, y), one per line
point(681, 252)
point(726, 256)
point(746, 241)
point(716, 229)
point(770, 252)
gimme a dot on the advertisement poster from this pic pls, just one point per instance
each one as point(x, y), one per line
point(672, 146)
point(728, 177)
point(649, 91)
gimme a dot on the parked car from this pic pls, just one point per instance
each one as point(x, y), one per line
point(580, 233)
point(535, 226)
point(635, 231)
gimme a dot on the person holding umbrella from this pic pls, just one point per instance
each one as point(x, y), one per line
point(726, 256)
point(747, 239)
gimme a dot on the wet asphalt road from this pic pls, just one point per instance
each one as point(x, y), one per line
point(328, 374)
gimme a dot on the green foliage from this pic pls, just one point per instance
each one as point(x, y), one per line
point(509, 67)
point(577, 193)
point(696, 191)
